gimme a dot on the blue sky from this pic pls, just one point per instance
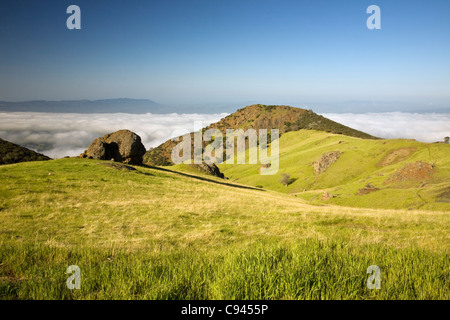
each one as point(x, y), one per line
point(204, 51)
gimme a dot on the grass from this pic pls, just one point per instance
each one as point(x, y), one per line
point(358, 165)
point(155, 234)
point(258, 116)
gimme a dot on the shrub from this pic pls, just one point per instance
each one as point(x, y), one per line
point(285, 178)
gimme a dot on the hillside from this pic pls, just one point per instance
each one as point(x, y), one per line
point(152, 233)
point(357, 172)
point(283, 118)
point(13, 153)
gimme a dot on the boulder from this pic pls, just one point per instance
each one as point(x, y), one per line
point(210, 169)
point(121, 146)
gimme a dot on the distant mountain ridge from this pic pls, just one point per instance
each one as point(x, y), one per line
point(123, 105)
point(142, 106)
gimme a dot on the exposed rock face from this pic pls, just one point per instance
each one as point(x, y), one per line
point(209, 169)
point(325, 161)
point(418, 171)
point(121, 146)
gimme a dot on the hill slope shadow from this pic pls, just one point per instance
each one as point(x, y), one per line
point(201, 178)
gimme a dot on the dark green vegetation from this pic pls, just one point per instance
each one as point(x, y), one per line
point(154, 234)
point(13, 153)
point(312, 121)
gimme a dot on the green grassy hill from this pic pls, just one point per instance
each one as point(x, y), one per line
point(258, 116)
point(153, 233)
point(362, 162)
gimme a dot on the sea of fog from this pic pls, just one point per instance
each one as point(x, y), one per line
point(69, 134)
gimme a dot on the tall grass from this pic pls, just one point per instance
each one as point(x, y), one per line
point(150, 234)
point(311, 269)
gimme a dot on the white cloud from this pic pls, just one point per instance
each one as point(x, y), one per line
point(425, 127)
point(69, 134)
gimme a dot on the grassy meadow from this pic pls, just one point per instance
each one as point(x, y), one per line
point(152, 233)
point(362, 162)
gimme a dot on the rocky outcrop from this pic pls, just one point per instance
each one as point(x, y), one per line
point(210, 169)
point(325, 161)
point(121, 146)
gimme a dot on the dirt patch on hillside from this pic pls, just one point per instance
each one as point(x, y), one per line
point(416, 171)
point(325, 161)
point(396, 156)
